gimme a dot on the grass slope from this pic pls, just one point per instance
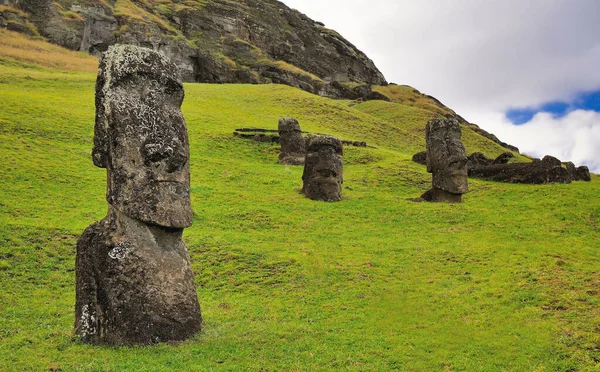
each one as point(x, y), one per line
point(508, 280)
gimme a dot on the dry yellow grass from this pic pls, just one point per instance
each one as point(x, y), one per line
point(409, 96)
point(125, 8)
point(283, 65)
point(8, 8)
point(15, 46)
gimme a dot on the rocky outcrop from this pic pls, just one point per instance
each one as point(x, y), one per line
point(503, 158)
point(547, 170)
point(475, 128)
point(360, 92)
point(16, 20)
point(215, 41)
point(473, 160)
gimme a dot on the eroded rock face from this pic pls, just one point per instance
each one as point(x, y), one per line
point(446, 161)
point(293, 145)
point(323, 169)
point(217, 41)
point(134, 280)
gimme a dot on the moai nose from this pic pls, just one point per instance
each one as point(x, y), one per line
point(176, 161)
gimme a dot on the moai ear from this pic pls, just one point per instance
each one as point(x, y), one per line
point(100, 150)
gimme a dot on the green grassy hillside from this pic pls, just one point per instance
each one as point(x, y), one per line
point(508, 280)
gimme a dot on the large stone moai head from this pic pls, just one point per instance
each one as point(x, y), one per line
point(134, 279)
point(293, 145)
point(323, 169)
point(446, 160)
point(141, 136)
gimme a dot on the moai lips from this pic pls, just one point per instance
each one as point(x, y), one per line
point(323, 169)
point(134, 279)
point(446, 161)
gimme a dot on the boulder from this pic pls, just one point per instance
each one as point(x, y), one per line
point(134, 283)
point(323, 169)
point(551, 161)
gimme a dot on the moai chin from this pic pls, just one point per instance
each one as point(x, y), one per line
point(323, 169)
point(446, 161)
point(293, 145)
point(134, 280)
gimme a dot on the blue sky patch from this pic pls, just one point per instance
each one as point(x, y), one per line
point(558, 109)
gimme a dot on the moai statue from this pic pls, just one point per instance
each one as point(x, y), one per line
point(293, 145)
point(446, 161)
point(323, 169)
point(134, 280)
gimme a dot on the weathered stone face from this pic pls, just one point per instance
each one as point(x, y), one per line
point(323, 169)
point(141, 137)
point(134, 279)
point(293, 145)
point(446, 157)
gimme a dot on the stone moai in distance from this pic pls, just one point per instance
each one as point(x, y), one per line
point(323, 169)
point(134, 280)
point(446, 161)
point(293, 145)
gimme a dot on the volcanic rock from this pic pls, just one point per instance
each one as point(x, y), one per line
point(323, 169)
point(134, 280)
point(420, 158)
point(293, 145)
point(217, 41)
point(581, 173)
point(446, 161)
point(478, 159)
point(503, 158)
point(537, 172)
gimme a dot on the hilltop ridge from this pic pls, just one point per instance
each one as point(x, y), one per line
point(223, 41)
point(211, 41)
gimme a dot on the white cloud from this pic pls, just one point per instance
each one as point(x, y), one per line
point(482, 58)
point(574, 137)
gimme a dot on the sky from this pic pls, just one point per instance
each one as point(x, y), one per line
point(527, 71)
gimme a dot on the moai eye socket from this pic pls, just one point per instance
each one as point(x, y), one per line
point(326, 173)
point(171, 154)
point(154, 152)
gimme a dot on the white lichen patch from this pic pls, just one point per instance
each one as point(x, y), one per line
point(119, 252)
point(87, 322)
